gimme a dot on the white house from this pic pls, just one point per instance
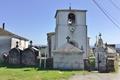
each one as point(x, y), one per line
point(8, 41)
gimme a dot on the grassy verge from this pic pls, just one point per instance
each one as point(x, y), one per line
point(34, 74)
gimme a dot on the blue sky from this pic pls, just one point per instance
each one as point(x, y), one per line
point(34, 18)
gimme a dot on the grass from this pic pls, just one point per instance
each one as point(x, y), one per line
point(34, 74)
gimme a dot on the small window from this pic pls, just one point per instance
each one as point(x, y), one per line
point(71, 18)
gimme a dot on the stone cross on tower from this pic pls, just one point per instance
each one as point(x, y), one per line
point(100, 41)
point(100, 35)
point(68, 39)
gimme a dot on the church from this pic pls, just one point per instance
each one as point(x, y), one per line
point(69, 44)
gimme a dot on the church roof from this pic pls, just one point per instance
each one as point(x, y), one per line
point(68, 10)
point(67, 48)
point(4, 32)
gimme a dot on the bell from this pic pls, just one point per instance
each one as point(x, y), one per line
point(70, 22)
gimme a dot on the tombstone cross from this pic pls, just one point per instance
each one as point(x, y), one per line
point(68, 38)
point(31, 43)
point(100, 35)
point(17, 44)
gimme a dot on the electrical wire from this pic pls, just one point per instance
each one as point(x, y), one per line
point(108, 16)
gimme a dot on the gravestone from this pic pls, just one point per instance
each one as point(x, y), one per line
point(29, 56)
point(14, 56)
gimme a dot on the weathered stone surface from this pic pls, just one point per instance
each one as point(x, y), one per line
point(29, 57)
point(68, 57)
point(14, 56)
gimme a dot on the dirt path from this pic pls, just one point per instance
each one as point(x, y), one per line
point(97, 76)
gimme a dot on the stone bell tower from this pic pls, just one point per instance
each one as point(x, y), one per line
point(71, 23)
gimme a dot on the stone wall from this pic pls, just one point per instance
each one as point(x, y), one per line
point(68, 61)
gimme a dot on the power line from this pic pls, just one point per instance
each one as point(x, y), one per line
point(114, 4)
point(104, 12)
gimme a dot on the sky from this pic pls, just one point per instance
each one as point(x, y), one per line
point(34, 18)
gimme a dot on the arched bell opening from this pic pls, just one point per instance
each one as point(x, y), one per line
point(71, 18)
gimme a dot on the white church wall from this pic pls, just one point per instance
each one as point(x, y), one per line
point(52, 44)
point(80, 36)
point(81, 18)
point(62, 17)
point(68, 61)
point(56, 37)
point(62, 29)
point(62, 34)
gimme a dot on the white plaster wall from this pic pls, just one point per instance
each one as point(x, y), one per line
point(80, 33)
point(22, 44)
point(68, 61)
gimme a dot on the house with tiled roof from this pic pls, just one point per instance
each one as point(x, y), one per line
point(8, 41)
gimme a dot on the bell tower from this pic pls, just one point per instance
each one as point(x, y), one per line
point(72, 23)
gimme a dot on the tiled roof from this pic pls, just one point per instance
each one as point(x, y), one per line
point(7, 33)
